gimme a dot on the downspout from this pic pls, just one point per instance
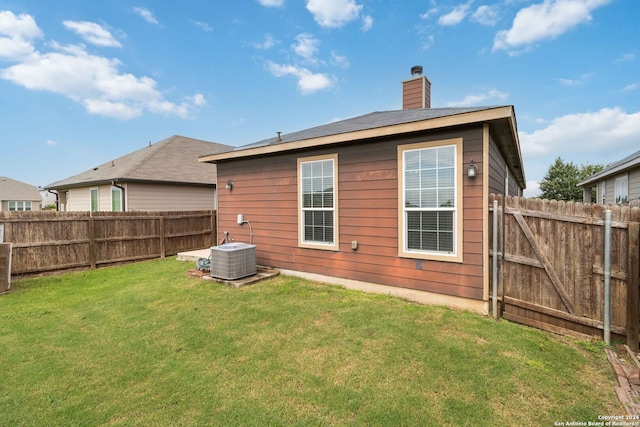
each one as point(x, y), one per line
point(55, 193)
point(124, 209)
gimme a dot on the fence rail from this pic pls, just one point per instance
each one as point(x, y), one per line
point(551, 272)
point(53, 241)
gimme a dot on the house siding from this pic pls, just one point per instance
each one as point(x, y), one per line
point(634, 184)
point(265, 192)
point(79, 199)
point(153, 197)
point(144, 197)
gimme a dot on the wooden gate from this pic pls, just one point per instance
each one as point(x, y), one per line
point(551, 273)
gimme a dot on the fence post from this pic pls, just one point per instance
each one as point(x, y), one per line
point(633, 277)
point(607, 277)
point(162, 246)
point(494, 287)
point(92, 242)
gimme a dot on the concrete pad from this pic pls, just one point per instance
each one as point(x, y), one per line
point(194, 255)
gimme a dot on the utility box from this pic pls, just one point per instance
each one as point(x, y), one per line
point(232, 261)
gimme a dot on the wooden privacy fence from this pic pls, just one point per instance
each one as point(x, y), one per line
point(46, 241)
point(551, 266)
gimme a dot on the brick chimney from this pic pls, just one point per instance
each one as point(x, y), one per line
point(416, 92)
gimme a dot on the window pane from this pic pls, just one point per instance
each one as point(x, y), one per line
point(412, 199)
point(429, 199)
point(446, 198)
point(446, 157)
point(411, 180)
point(411, 160)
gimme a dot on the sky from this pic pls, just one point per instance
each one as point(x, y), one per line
point(85, 82)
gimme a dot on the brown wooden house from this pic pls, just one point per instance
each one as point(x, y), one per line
point(391, 201)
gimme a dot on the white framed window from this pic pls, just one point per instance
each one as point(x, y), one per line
point(20, 206)
point(95, 204)
point(116, 199)
point(622, 189)
point(430, 200)
point(318, 202)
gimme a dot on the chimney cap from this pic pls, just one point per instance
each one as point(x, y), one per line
point(416, 70)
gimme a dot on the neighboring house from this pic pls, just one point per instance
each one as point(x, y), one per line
point(162, 176)
point(396, 201)
point(18, 196)
point(618, 183)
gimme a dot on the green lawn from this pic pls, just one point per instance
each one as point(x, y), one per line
point(143, 344)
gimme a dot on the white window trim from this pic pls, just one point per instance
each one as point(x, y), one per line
point(621, 183)
point(456, 256)
point(318, 245)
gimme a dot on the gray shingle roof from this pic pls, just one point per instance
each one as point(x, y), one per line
point(174, 160)
point(616, 167)
point(373, 120)
point(10, 189)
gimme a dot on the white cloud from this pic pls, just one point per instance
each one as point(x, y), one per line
point(576, 82)
point(267, 44)
point(50, 142)
point(456, 15)
point(198, 99)
point(626, 57)
point(308, 82)
point(545, 20)
point(17, 34)
point(146, 15)
point(206, 27)
point(479, 98)
point(306, 46)
point(430, 12)
point(601, 132)
point(92, 33)
point(367, 23)
point(533, 189)
point(93, 81)
point(631, 87)
point(339, 60)
point(333, 13)
point(428, 43)
point(271, 3)
point(23, 26)
point(486, 15)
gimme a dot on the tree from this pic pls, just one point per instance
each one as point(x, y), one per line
point(560, 182)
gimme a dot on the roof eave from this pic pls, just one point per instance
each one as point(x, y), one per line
point(124, 181)
point(607, 173)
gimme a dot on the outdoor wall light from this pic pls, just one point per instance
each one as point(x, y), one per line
point(229, 185)
point(472, 170)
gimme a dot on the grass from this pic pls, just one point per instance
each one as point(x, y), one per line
point(143, 344)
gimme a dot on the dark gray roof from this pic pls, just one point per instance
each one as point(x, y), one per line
point(172, 160)
point(614, 168)
point(10, 189)
point(373, 120)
